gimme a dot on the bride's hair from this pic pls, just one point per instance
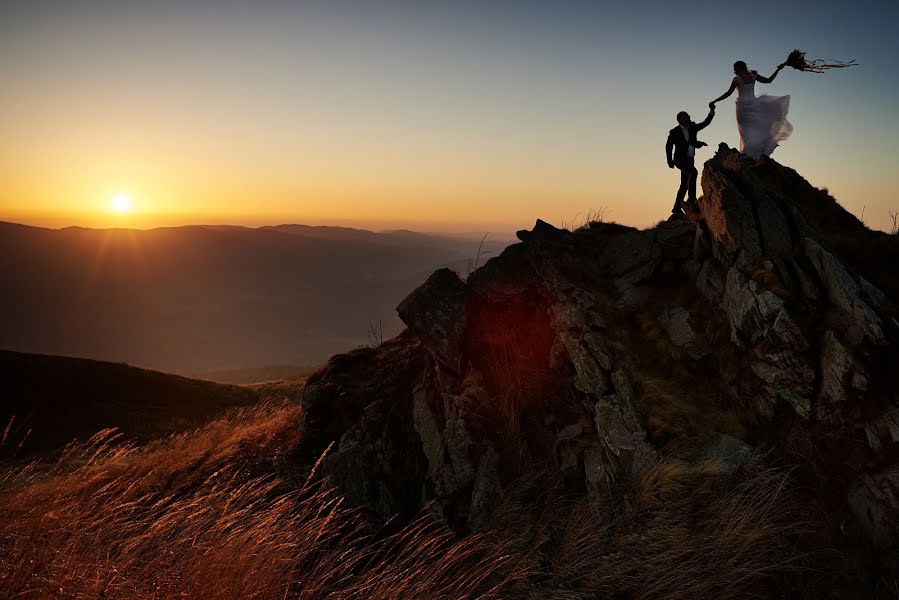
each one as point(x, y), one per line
point(740, 66)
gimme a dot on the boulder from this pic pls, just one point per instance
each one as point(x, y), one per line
point(435, 311)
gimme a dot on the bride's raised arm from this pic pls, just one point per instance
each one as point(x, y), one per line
point(730, 90)
point(764, 79)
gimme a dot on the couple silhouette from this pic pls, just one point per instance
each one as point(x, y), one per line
point(761, 122)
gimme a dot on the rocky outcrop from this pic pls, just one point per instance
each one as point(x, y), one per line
point(436, 312)
point(596, 352)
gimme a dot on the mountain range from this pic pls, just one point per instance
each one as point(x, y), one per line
point(198, 299)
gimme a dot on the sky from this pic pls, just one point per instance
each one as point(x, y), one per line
point(436, 116)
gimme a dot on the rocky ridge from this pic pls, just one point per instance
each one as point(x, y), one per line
point(750, 325)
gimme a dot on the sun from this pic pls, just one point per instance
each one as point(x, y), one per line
point(120, 203)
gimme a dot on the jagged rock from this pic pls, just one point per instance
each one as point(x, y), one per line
point(802, 405)
point(747, 221)
point(843, 292)
point(891, 417)
point(544, 234)
point(387, 459)
point(787, 332)
point(632, 254)
point(432, 443)
point(597, 475)
point(505, 278)
point(591, 361)
point(755, 314)
point(554, 344)
point(486, 489)
point(621, 430)
point(727, 451)
point(730, 219)
point(709, 281)
point(786, 376)
point(873, 294)
point(441, 421)
point(871, 436)
point(459, 443)
point(576, 313)
point(334, 398)
point(676, 323)
point(874, 500)
point(565, 453)
point(435, 311)
point(840, 374)
point(629, 296)
point(749, 307)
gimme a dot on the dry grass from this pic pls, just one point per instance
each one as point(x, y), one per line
point(221, 512)
point(216, 513)
point(585, 220)
point(674, 413)
point(678, 532)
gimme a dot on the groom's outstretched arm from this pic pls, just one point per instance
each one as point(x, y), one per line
point(708, 120)
point(668, 146)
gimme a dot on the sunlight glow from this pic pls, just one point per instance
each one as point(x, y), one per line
point(121, 203)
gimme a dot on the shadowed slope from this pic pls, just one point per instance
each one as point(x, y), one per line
point(53, 399)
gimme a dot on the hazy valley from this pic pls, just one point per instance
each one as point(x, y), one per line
point(204, 299)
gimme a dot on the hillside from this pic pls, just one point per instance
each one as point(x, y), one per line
point(198, 299)
point(51, 400)
point(703, 409)
point(648, 375)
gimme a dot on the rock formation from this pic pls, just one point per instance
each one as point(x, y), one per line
point(755, 322)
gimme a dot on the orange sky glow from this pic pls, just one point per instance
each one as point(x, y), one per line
point(440, 122)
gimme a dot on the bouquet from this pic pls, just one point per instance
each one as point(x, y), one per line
point(797, 60)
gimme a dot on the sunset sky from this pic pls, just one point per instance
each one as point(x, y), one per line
point(457, 116)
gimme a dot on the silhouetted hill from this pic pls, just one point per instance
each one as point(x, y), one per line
point(196, 299)
point(397, 237)
point(54, 399)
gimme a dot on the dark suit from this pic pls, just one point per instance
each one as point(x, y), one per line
point(682, 160)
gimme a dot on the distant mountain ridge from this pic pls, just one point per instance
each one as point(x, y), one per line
point(206, 298)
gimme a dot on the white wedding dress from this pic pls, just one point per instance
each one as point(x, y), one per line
point(761, 120)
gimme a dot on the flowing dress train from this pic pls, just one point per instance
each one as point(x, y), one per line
point(761, 120)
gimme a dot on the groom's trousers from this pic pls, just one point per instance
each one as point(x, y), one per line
point(688, 174)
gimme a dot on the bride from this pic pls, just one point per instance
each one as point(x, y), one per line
point(761, 120)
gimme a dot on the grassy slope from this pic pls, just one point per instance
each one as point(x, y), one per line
point(223, 512)
point(218, 512)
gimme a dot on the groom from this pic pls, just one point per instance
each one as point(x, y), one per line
point(683, 139)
